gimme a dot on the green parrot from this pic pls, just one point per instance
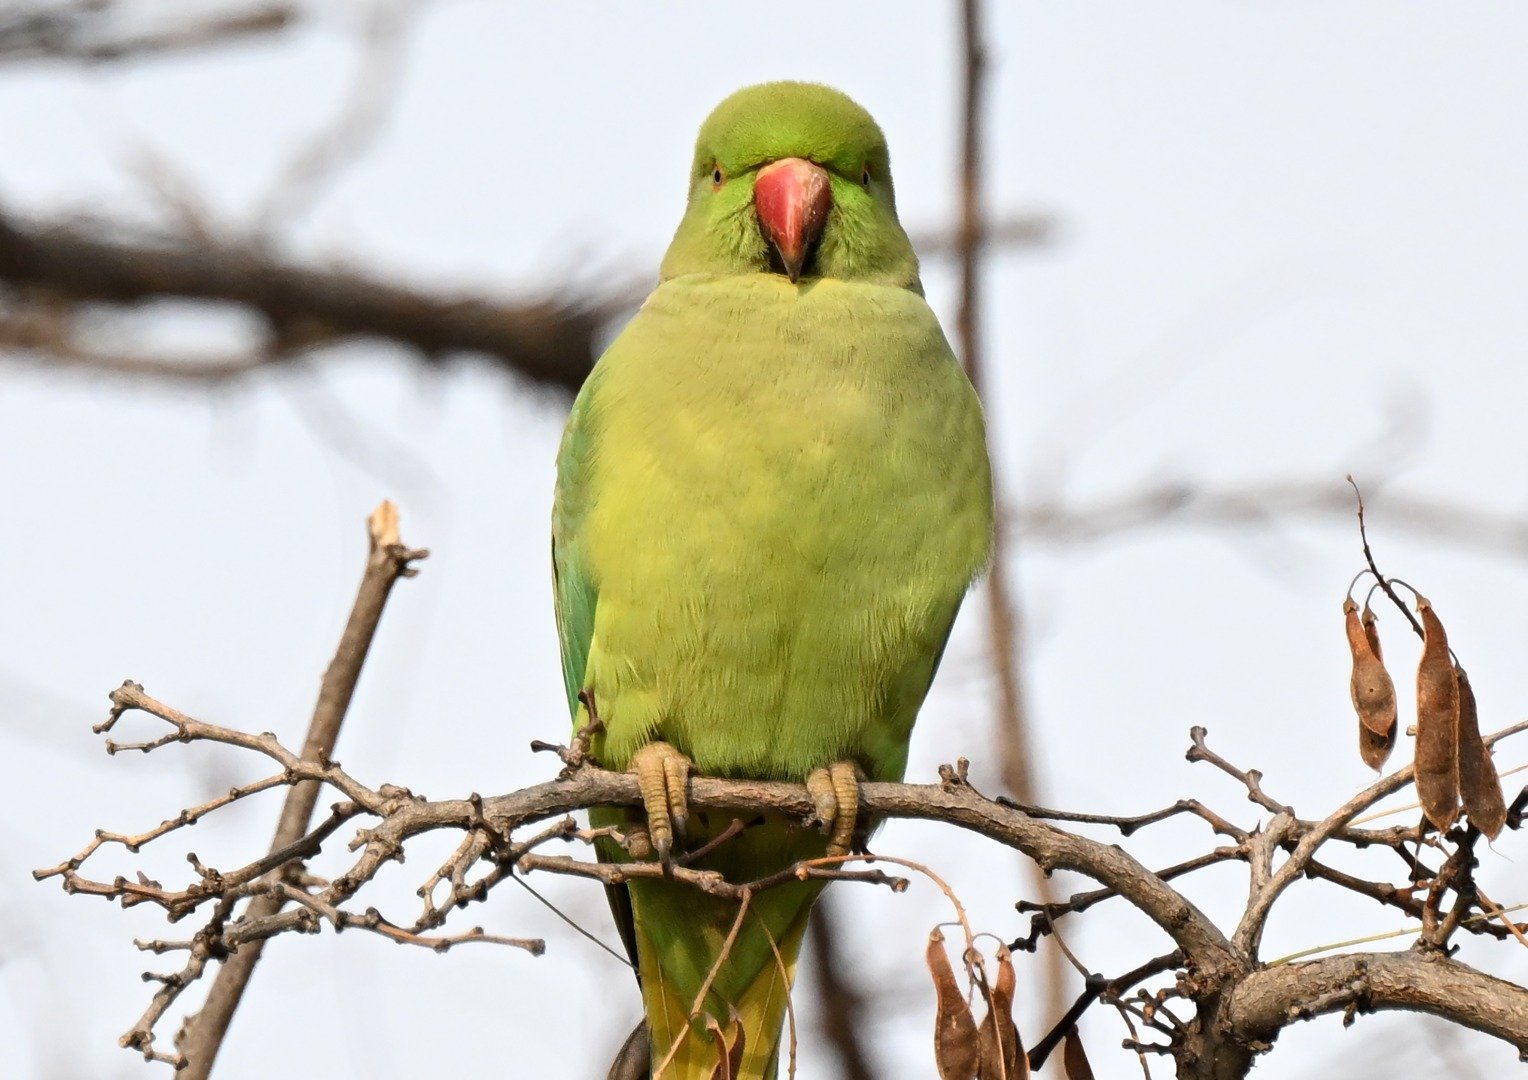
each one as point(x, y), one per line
point(772, 495)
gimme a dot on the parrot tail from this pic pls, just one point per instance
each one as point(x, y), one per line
point(739, 954)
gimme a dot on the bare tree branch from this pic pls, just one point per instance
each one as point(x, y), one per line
point(388, 559)
point(99, 31)
point(1229, 1027)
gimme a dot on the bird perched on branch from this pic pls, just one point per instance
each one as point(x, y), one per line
point(772, 495)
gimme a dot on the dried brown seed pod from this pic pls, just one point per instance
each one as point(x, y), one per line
point(955, 1043)
point(1075, 1058)
point(1002, 1052)
point(1371, 686)
point(1437, 754)
point(1479, 786)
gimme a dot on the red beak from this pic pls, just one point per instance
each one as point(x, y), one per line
point(792, 198)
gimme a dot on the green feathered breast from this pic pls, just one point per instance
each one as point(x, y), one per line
point(770, 503)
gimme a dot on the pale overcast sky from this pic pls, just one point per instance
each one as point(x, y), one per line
point(1292, 243)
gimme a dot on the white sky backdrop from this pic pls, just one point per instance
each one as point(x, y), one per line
point(1282, 225)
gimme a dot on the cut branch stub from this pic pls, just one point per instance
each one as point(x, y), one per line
point(1437, 754)
point(956, 1050)
point(1371, 686)
point(1479, 786)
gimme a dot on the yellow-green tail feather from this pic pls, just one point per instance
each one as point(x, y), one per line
point(745, 998)
point(717, 961)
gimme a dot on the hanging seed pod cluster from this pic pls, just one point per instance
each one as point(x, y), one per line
point(962, 1050)
point(1454, 769)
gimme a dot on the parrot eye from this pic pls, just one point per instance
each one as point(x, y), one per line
point(716, 176)
point(865, 177)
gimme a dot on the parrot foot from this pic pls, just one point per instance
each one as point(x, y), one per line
point(663, 776)
point(835, 791)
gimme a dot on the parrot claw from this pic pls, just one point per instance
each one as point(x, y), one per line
point(835, 792)
point(663, 776)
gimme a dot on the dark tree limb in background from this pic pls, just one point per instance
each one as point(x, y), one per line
point(841, 1005)
point(98, 31)
point(546, 341)
point(388, 559)
point(1004, 610)
point(1003, 614)
point(51, 270)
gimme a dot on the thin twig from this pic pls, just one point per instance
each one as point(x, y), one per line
point(707, 881)
point(1250, 930)
point(1077, 903)
point(1250, 778)
point(1098, 987)
point(1129, 823)
point(1381, 579)
point(1413, 806)
point(705, 987)
point(1388, 934)
point(388, 559)
point(790, 1007)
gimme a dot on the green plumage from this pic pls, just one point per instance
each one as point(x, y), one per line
point(771, 500)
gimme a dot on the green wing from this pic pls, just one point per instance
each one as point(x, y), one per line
point(575, 594)
point(574, 589)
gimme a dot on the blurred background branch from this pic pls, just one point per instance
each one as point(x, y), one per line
point(108, 31)
point(58, 275)
point(60, 281)
point(1005, 620)
point(1259, 502)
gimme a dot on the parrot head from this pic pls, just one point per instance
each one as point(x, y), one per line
point(794, 179)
